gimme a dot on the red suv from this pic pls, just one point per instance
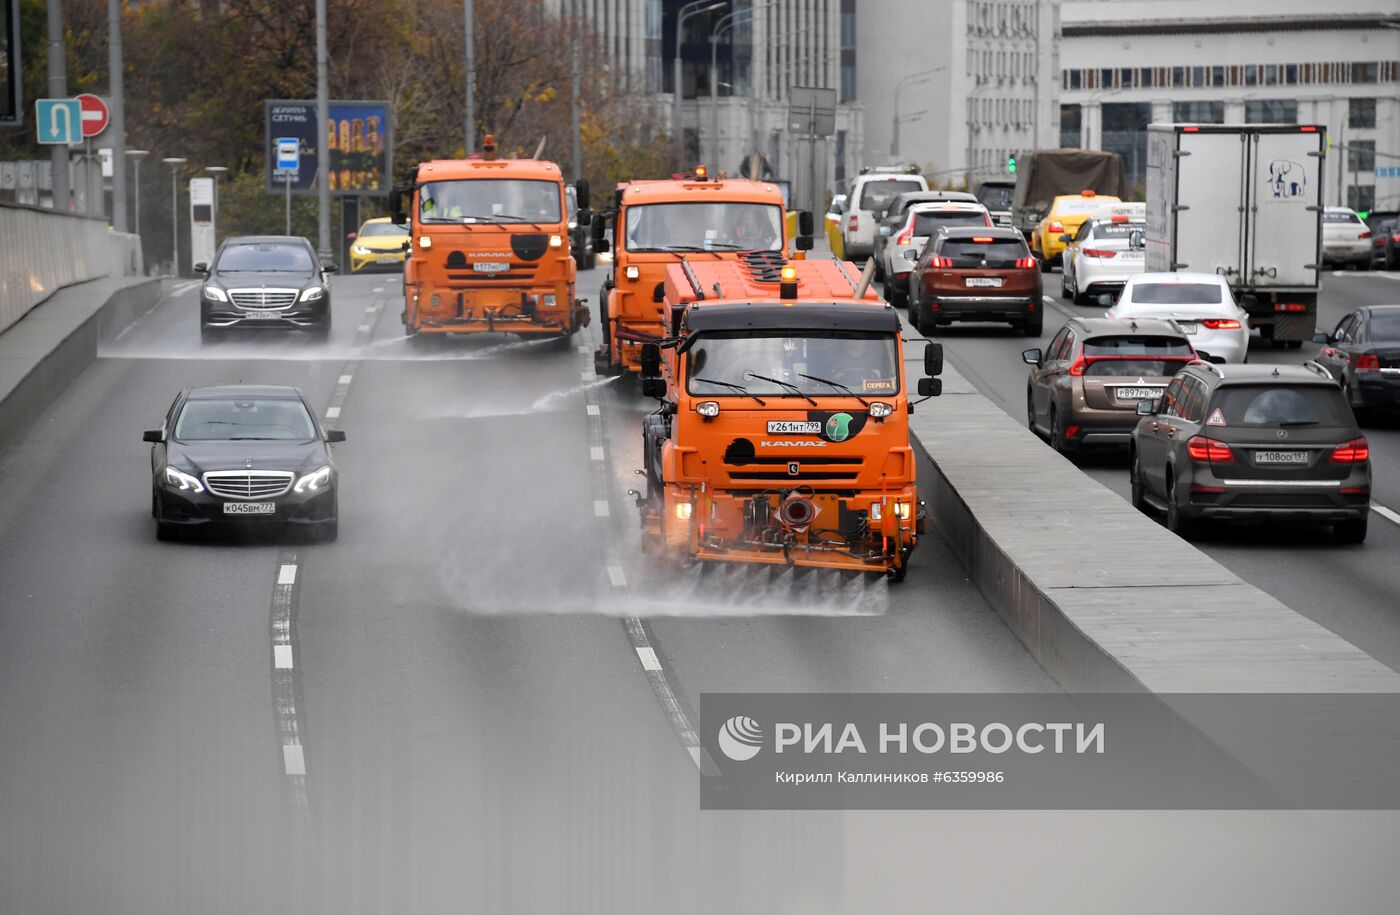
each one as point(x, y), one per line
point(977, 274)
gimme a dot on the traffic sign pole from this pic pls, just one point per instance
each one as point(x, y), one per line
point(58, 88)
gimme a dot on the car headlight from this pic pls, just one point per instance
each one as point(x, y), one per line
point(215, 294)
point(359, 249)
point(707, 408)
point(175, 477)
point(313, 481)
point(313, 294)
point(879, 409)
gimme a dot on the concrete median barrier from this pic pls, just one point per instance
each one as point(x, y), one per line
point(56, 340)
point(1103, 596)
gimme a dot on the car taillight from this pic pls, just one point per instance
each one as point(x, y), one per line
point(1290, 306)
point(1099, 252)
point(1395, 238)
point(1026, 263)
point(1221, 324)
point(855, 221)
point(1208, 450)
point(1353, 452)
point(1057, 227)
point(1368, 362)
point(907, 235)
point(1364, 235)
point(942, 263)
point(1079, 366)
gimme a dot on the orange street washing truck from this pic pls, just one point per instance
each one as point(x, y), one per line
point(489, 248)
point(783, 432)
point(655, 224)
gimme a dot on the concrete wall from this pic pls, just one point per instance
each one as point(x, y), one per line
point(43, 251)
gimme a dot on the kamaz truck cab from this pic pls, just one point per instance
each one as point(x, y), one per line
point(489, 248)
point(655, 224)
point(783, 432)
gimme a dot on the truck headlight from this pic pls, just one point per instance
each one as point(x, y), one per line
point(183, 480)
point(556, 241)
point(313, 294)
point(548, 300)
point(875, 511)
point(313, 481)
point(633, 272)
point(904, 509)
point(215, 294)
point(879, 409)
point(683, 510)
point(707, 408)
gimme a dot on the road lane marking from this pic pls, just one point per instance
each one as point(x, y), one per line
point(600, 508)
point(592, 409)
point(378, 288)
point(617, 576)
point(596, 453)
point(282, 657)
point(649, 659)
point(333, 413)
point(293, 759)
point(589, 375)
point(287, 574)
point(346, 379)
point(364, 328)
point(583, 349)
point(1392, 516)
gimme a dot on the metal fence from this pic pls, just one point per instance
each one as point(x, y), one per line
point(42, 251)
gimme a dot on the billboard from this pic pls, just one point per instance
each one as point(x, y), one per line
point(359, 146)
point(11, 104)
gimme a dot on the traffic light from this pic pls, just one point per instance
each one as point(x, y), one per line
point(1011, 164)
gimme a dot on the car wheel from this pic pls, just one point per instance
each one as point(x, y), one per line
point(1030, 413)
point(1364, 265)
point(1183, 527)
point(1350, 531)
point(1057, 435)
point(1045, 265)
point(329, 531)
point(1065, 292)
point(1033, 326)
point(897, 299)
point(1138, 495)
point(924, 321)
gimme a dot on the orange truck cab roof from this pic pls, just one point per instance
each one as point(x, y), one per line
point(459, 169)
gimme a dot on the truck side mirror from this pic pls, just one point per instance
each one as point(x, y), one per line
point(650, 359)
point(396, 212)
point(581, 193)
point(585, 217)
point(933, 360)
point(598, 228)
point(805, 223)
point(804, 243)
point(653, 387)
point(930, 387)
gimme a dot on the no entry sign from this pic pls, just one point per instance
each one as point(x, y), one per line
point(94, 114)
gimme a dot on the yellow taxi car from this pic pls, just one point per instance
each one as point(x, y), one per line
point(1067, 213)
point(379, 245)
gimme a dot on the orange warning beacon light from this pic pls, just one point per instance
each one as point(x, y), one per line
point(488, 146)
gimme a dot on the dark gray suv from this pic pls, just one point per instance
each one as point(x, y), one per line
point(1252, 443)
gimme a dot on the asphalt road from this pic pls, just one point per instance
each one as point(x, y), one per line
point(1350, 590)
point(470, 707)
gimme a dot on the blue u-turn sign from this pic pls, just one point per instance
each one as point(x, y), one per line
point(59, 121)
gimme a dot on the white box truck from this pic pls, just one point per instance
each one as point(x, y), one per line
point(1243, 201)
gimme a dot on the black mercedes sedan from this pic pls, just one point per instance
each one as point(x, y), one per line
point(245, 454)
point(265, 281)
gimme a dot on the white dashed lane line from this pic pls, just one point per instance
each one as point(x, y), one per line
point(1388, 514)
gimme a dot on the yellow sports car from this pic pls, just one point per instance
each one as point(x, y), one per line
point(379, 245)
point(1066, 215)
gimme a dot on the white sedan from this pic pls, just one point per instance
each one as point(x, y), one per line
point(1200, 303)
point(1101, 258)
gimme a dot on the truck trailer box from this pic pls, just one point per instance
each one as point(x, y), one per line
point(1243, 201)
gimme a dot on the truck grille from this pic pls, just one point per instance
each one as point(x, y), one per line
point(248, 484)
point(263, 298)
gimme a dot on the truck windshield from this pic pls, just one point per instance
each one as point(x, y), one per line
point(996, 196)
point(865, 362)
point(490, 200)
point(705, 227)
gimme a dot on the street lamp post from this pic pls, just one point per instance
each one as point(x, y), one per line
point(469, 48)
point(136, 155)
point(899, 87)
point(725, 24)
point(693, 8)
point(174, 162)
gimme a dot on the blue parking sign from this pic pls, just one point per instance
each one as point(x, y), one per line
point(59, 121)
